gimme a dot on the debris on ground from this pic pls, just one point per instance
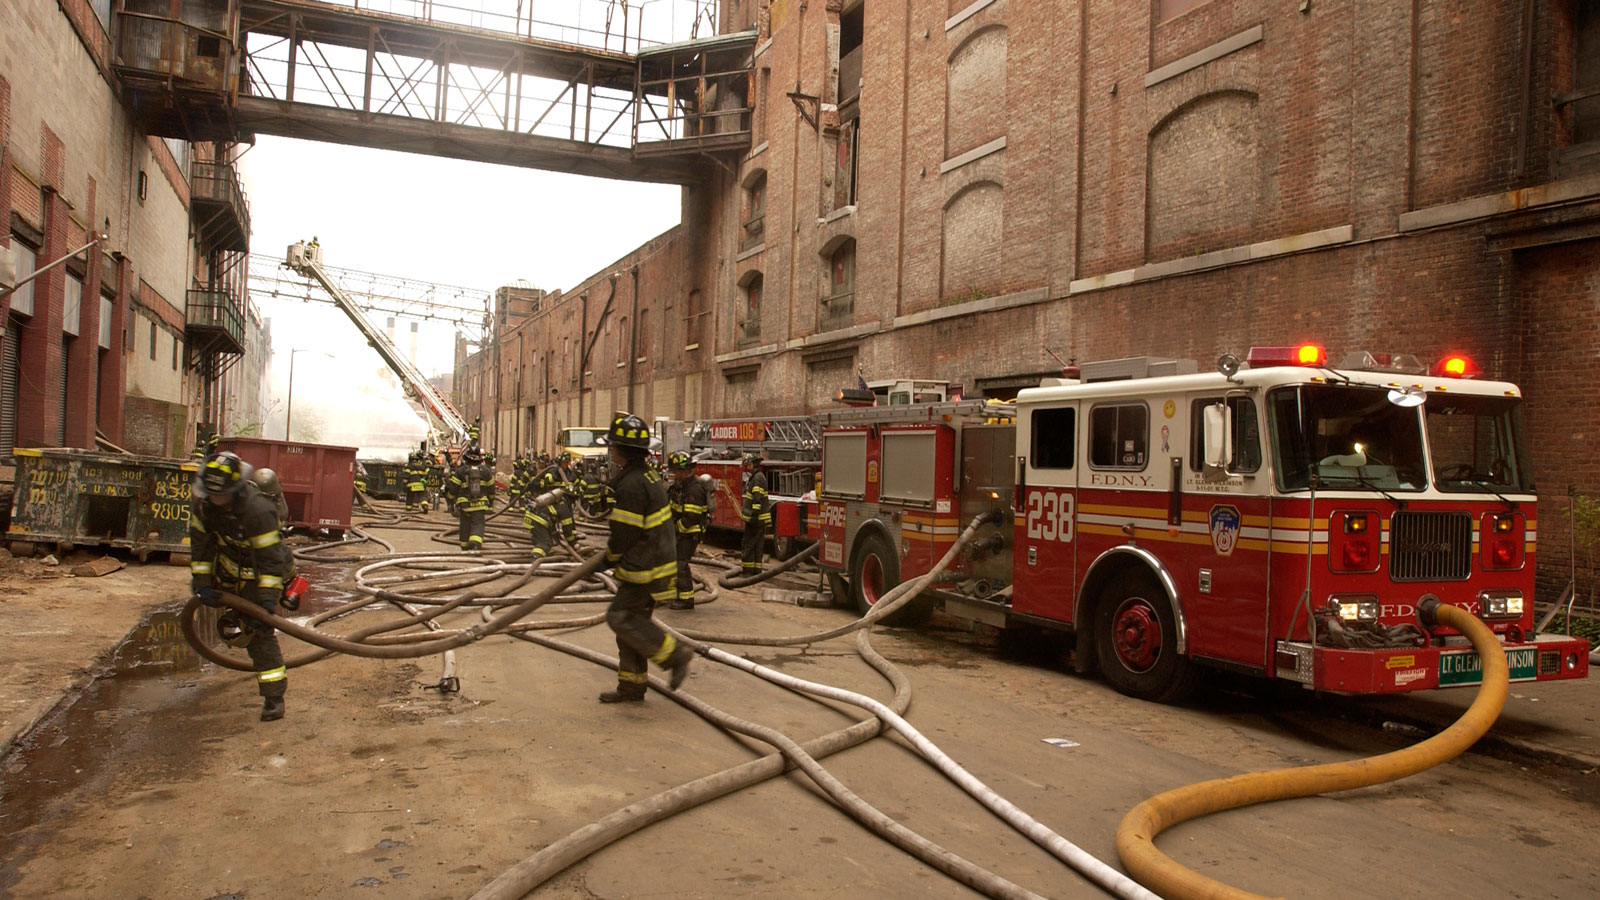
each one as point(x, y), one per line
point(105, 565)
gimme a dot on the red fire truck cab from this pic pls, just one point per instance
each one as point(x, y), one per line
point(1284, 518)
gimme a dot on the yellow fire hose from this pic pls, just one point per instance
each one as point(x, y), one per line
point(1158, 872)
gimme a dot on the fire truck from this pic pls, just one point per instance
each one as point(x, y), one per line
point(1281, 517)
point(789, 450)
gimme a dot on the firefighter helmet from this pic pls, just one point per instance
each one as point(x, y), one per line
point(628, 430)
point(472, 455)
point(233, 630)
point(222, 475)
point(752, 461)
point(680, 460)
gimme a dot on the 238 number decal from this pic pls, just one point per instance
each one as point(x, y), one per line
point(1050, 516)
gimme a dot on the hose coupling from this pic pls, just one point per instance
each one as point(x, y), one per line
point(1428, 611)
point(995, 515)
point(990, 544)
point(475, 633)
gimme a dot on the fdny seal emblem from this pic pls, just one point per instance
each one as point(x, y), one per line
point(1224, 529)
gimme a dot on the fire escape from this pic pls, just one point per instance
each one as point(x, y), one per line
point(214, 316)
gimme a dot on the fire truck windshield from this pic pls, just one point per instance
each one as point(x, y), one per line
point(1477, 443)
point(1350, 436)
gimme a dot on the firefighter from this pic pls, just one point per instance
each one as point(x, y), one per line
point(416, 481)
point(235, 546)
point(640, 547)
point(756, 514)
point(521, 479)
point(544, 520)
point(361, 482)
point(689, 500)
point(471, 494)
point(596, 491)
point(436, 469)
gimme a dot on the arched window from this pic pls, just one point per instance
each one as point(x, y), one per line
point(839, 285)
point(747, 319)
point(754, 216)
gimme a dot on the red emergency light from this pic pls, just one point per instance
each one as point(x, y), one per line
point(1455, 365)
point(1300, 355)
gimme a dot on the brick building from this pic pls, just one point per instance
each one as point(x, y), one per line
point(969, 190)
point(123, 337)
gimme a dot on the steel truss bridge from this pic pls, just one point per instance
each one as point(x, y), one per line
point(443, 81)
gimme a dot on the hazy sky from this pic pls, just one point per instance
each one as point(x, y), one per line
point(430, 219)
point(438, 220)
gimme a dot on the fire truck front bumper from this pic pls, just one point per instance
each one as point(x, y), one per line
point(1547, 657)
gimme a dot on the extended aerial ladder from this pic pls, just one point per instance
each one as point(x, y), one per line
point(306, 259)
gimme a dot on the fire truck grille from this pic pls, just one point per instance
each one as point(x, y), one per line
point(1430, 546)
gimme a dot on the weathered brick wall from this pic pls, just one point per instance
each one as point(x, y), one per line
point(152, 427)
point(1555, 296)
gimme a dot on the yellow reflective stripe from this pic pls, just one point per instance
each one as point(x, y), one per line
point(199, 568)
point(530, 519)
point(228, 565)
point(475, 539)
point(265, 539)
point(538, 551)
point(632, 677)
point(270, 581)
point(755, 490)
point(693, 508)
point(278, 674)
point(660, 517)
point(668, 644)
point(645, 576)
point(627, 518)
point(663, 596)
point(195, 523)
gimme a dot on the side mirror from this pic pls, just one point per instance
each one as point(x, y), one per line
point(1218, 435)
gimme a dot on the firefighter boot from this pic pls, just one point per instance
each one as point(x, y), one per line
point(272, 709)
point(626, 692)
point(678, 665)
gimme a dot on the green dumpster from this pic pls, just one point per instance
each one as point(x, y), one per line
point(76, 497)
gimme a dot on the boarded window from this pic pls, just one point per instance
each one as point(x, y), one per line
point(975, 92)
point(1204, 176)
point(972, 234)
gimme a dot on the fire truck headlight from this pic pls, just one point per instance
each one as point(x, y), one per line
point(1500, 605)
point(1357, 609)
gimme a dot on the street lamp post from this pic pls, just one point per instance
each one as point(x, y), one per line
point(288, 409)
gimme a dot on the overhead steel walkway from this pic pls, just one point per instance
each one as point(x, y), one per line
point(328, 72)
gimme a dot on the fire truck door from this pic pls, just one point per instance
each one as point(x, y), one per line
point(1045, 522)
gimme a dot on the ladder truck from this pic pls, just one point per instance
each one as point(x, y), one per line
point(790, 448)
point(306, 260)
point(1282, 516)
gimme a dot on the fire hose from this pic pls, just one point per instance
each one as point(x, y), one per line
point(1135, 839)
point(1136, 835)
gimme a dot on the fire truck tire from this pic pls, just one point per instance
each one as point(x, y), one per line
point(1136, 640)
point(874, 572)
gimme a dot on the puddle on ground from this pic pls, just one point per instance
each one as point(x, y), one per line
point(84, 742)
point(327, 586)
